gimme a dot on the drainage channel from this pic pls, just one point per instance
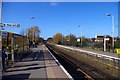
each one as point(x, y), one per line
point(71, 69)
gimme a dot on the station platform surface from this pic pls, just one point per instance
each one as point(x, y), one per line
point(95, 51)
point(39, 64)
point(102, 52)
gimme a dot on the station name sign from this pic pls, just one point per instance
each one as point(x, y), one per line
point(9, 24)
point(5, 34)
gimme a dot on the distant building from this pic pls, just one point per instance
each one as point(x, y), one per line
point(99, 38)
point(50, 39)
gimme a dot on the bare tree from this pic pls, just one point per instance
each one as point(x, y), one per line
point(33, 33)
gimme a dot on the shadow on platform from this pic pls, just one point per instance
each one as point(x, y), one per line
point(22, 76)
point(31, 68)
point(25, 65)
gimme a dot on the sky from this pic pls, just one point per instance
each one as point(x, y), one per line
point(62, 17)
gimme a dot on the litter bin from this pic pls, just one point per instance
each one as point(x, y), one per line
point(118, 50)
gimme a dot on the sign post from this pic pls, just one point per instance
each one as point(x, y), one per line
point(0, 39)
point(105, 39)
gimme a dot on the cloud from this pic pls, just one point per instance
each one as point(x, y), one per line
point(54, 3)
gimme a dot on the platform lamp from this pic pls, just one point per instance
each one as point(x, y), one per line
point(108, 14)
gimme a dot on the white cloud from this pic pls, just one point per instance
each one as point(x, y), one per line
point(54, 3)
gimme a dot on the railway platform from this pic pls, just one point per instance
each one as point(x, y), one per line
point(39, 64)
point(93, 51)
point(100, 64)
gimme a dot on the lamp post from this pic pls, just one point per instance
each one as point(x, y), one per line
point(28, 42)
point(28, 38)
point(33, 30)
point(62, 39)
point(112, 30)
point(68, 40)
point(31, 18)
point(81, 34)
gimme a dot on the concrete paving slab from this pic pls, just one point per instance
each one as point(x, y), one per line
point(37, 65)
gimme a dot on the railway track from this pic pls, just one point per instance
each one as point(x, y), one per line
point(89, 71)
point(72, 69)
